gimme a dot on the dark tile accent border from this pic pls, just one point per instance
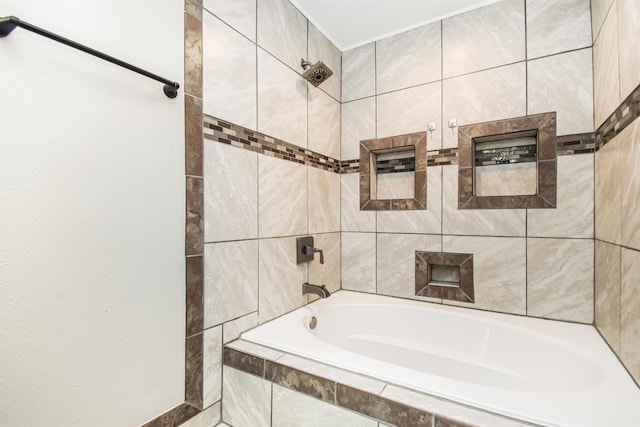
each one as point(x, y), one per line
point(193, 377)
point(446, 422)
point(425, 260)
point(294, 379)
point(194, 232)
point(544, 125)
point(381, 408)
point(194, 295)
point(623, 116)
point(245, 362)
point(368, 199)
point(237, 136)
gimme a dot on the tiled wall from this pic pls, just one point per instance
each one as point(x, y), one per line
point(509, 59)
point(616, 24)
point(259, 199)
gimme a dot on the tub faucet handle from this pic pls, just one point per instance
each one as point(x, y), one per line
point(309, 250)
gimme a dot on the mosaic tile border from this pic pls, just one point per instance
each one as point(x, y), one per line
point(623, 116)
point(238, 136)
point(348, 391)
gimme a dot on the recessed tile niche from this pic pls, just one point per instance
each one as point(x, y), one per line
point(393, 173)
point(444, 275)
point(508, 164)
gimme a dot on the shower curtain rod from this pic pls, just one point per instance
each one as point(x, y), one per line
point(9, 23)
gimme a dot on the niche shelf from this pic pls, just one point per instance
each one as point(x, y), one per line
point(508, 164)
point(444, 275)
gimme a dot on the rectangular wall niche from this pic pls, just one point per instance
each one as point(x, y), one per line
point(393, 173)
point(508, 164)
point(444, 275)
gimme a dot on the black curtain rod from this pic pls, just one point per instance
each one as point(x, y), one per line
point(9, 23)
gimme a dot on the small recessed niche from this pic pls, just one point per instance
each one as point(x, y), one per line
point(508, 164)
point(444, 275)
point(393, 173)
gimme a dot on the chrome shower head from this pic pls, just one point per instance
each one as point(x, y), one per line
point(316, 73)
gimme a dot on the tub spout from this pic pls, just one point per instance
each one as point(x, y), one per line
point(321, 291)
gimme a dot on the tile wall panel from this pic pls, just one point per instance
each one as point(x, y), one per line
point(327, 274)
point(359, 72)
point(324, 123)
point(630, 312)
point(599, 11)
point(483, 38)
point(607, 292)
point(212, 356)
point(359, 262)
point(628, 45)
point(352, 218)
point(231, 175)
point(358, 122)
point(563, 83)
point(230, 280)
point(629, 186)
point(560, 286)
point(247, 399)
point(606, 70)
point(238, 14)
point(324, 201)
point(409, 59)
point(554, 27)
point(237, 79)
point(321, 49)
point(282, 31)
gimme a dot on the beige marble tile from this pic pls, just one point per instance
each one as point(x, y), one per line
point(236, 81)
point(563, 83)
point(410, 110)
point(282, 101)
point(230, 280)
point(630, 312)
point(506, 180)
point(448, 408)
point(293, 409)
point(499, 93)
point(207, 418)
point(490, 222)
point(321, 49)
point(606, 71)
point(629, 45)
point(427, 221)
point(599, 10)
point(359, 72)
point(212, 370)
point(324, 123)
point(230, 193)
point(395, 260)
point(630, 186)
point(554, 27)
point(359, 262)
point(327, 274)
point(351, 379)
point(282, 31)
point(560, 279)
point(239, 14)
point(324, 201)
point(231, 330)
point(400, 185)
point(499, 271)
point(247, 399)
point(574, 212)
point(608, 180)
point(409, 59)
point(280, 278)
point(352, 218)
point(488, 37)
point(358, 123)
point(607, 292)
point(282, 197)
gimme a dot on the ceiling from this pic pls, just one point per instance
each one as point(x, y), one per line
point(352, 23)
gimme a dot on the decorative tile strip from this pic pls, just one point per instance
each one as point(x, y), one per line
point(407, 164)
point(623, 116)
point(237, 136)
point(507, 155)
point(580, 143)
point(443, 157)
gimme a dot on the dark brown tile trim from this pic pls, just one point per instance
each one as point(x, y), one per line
point(243, 361)
point(294, 379)
point(464, 291)
point(194, 295)
point(368, 200)
point(544, 128)
point(174, 417)
point(194, 370)
point(381, 408)
point(623, 116)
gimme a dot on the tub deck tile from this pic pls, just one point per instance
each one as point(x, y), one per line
point(295, 379)
point(244, 362)
point(255, 349)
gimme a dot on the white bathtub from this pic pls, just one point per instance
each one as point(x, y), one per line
point(546, 372)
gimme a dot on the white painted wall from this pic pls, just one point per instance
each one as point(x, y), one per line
point(91, 216)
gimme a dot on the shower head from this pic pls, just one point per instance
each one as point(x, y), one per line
point(316, 73)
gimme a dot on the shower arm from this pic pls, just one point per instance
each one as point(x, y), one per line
point(9, 23)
